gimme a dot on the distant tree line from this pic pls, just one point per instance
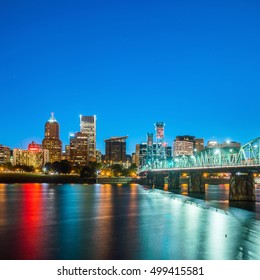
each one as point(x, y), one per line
point(17, 167)
point(90, 170)
point(118, 170)
point(60, 167)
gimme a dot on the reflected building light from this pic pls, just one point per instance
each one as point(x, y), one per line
point(3, 206)
point(51, 192)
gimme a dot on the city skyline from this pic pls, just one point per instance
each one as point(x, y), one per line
point(192, 65)
point(24, 145)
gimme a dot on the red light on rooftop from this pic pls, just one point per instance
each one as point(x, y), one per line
point(33, 147)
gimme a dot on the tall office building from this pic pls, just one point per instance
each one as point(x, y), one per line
point(79, 147)
point(52, 140)
point(116, 150)
point(88, 125)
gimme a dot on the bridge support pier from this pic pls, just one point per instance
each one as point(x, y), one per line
point(242, 187)
point(174, 181)
point(159, 181)
point(196, 183)
point(155, 180)
point(150, 179)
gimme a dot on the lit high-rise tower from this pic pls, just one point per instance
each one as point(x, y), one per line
point(88, 126)
point(79, 148)
point(52, 140)
point(116, 150)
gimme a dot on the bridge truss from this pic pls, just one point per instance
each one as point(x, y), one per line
point(248, 154)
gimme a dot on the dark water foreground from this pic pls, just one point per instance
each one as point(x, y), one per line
point(43, 221)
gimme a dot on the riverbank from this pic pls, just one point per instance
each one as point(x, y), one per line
point(11, 178)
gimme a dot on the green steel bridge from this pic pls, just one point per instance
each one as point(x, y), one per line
point(242, 165)
point(247, 155)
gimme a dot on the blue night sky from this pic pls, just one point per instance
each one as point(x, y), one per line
point(194, 65)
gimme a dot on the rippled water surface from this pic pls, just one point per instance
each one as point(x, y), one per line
point(42, 221)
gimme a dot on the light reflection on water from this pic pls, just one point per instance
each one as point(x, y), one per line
point(257, 192)
point(217, 195)
point(184, 189)
point(3, 213)
point(41, 221)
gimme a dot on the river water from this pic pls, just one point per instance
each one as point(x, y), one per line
point(44, 221)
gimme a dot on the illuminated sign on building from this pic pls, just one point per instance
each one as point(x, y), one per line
point(159, 127)
point(33, 147)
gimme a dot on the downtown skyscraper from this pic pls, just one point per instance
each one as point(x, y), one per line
point(78, 149)
point(116, 150)
point(88, 126)
point(52, 140)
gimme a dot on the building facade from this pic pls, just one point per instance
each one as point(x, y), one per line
point(66, 153)
point(35, 156)
point(187, 145)
point(88, 126)
point(199, 144)
point(79, 149)
point(116, 150)
point(181, 148)
point(5, 154)
point(51, 140)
